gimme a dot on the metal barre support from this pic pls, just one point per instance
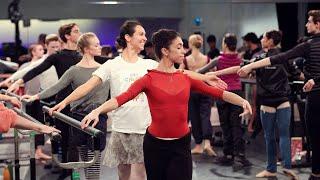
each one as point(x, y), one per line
point(89, 130)
point(76, 165)
point(74, 123)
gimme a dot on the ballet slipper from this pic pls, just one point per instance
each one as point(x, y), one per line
point(265, 174)
point(209, 151)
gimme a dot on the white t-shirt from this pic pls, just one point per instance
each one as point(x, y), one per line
point(133, 116)
point(47, 78)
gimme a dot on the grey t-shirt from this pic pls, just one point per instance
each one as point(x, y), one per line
point(76, 76)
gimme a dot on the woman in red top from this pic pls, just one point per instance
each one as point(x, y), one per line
point(166, 146)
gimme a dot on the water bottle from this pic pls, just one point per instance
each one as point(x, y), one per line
point(6, 174)
point(75, 175)
point(298, 156)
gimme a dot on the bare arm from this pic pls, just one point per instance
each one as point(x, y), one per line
point(22, 123)
point(195, 75)
point(237, 100)
point(5, 97)
point(225, 95)
point(259, 64)
point(211, 79)
point(300, 50)
point(226, 71)
point(13, 100)
point(232, 98)
point(245, 70)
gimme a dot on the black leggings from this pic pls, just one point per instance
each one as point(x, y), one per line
point(313, 125)
point(34, 110)
point(230, 122)
point(167, 159)
point(199, 115)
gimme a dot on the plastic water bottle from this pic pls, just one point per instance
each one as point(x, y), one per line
point(6, 174)
point(75, 175)
point(1, 173)
point(298, 156)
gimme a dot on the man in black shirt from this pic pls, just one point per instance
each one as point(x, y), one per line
point(252, 44)
point(213, 52)
point(310, 50)
point(62, 61)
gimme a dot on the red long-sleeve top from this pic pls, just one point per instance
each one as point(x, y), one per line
point(7, 118)
point(168, 96)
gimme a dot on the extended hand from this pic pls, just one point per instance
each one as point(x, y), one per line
point(57, 107)
point(244, 71)
point(215, 81)
point(5, 83)
point(15, 102)
point(246, 108)
point(93, 116)
point(309, 85)
point(218, 83)
point(13, 87)
point(30, 98)
point(48, 129)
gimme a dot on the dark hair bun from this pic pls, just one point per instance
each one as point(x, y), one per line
point(121, 42)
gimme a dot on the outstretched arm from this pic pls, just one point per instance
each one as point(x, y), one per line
point(211, 79)
point(22, 123)
point(63, 82)
point(300, 50)
point(21, 72)
point(225, 95)
point(10, 119)
point(13, 100)
point(237, 100)
point(226, 71)
point(137, 87)
point(245, 70)
point(46, 64)
point(78, 93)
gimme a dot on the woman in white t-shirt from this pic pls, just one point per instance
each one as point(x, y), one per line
point(129, 124)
